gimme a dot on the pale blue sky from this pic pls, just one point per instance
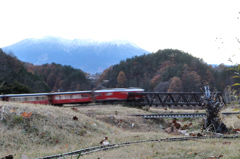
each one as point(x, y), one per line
point(188, 25)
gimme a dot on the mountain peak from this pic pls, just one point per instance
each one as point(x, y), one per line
point(71, 43)
point(87, 54)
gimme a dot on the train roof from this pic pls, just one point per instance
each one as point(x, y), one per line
point(120, 90)
point(18, 95)
point(75, 92)
point(44, 94)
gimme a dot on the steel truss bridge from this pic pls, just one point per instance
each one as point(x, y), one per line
point(169, 98)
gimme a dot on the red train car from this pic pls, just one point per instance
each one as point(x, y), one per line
point(39, 98)
point(114, 95)
point(78, 97)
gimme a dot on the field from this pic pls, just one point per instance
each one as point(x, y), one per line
point(42, 130)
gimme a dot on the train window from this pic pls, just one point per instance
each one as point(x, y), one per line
point(63, 97)
point(13, 99)
point(74, 96)
point(57, 97)
point(79, 96)
point(68, 97)
point(32, 99)
point(109, 94)
point(39, 98)
point(21, 99)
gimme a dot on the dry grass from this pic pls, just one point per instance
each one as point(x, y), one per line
point(52, 130)
point(198, 149)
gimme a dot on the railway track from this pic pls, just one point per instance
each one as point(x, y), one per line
point(178, 115)
point(112, 146)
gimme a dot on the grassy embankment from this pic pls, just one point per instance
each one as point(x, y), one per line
point(51, 130)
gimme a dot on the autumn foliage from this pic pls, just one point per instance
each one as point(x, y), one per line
point(121, 79)
point(61, 78)
point(175, 85)
point(167, 70)
point(26, 115)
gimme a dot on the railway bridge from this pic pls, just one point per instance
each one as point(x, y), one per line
point(169, 98)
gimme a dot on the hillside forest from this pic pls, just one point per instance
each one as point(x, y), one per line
point(14, 77)
point(20, 77)
point(60, 78)
point(164, 71)
point(167, 71)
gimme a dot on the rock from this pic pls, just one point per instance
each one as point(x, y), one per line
point(168, 130)
point(104, 141)
point(182, 131)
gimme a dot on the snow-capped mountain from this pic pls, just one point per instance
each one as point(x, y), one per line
point(85, 54)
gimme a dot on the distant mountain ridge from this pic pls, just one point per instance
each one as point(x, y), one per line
point(85, 54)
